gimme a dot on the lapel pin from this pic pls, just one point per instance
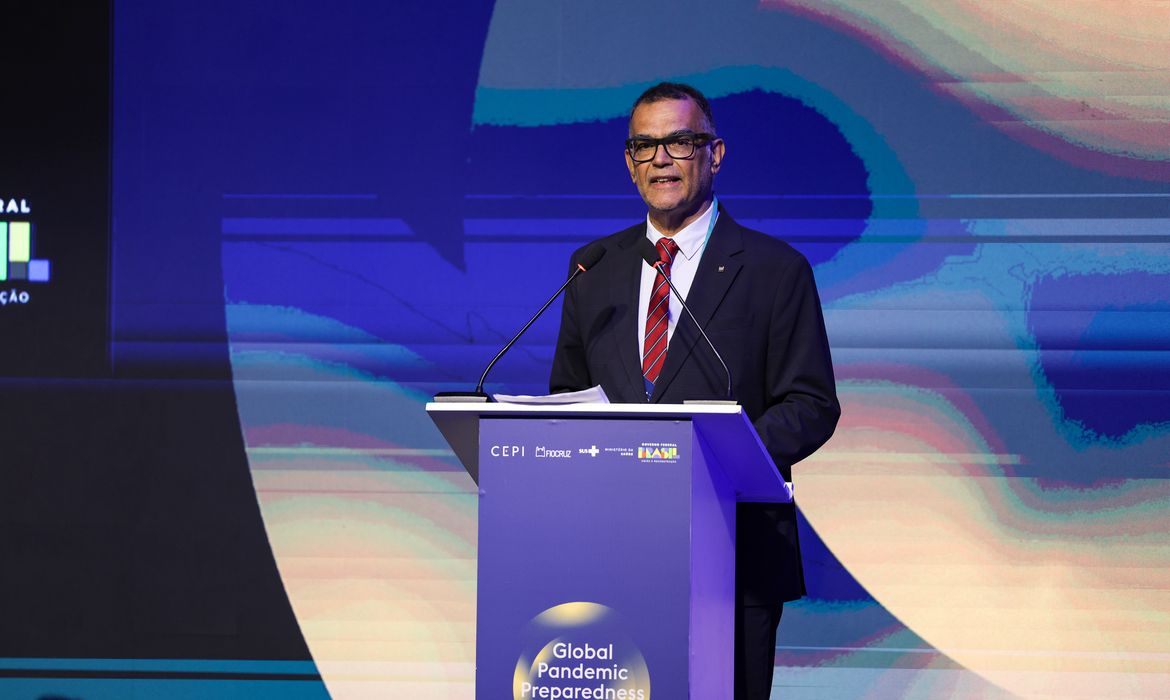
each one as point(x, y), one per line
point(722, 268)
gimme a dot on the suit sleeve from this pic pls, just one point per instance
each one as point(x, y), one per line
point(802, 407)
point(569, 369)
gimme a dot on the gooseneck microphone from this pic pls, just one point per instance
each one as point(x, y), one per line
point(589, 257)
point(649, 253)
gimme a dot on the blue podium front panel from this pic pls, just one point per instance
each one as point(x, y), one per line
point(584, 559)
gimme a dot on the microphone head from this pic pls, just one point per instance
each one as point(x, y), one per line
point(648, 251)
point(589, 257)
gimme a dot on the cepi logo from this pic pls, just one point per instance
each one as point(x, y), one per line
point(507, 450)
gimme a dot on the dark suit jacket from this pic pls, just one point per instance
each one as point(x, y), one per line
point(757, 299)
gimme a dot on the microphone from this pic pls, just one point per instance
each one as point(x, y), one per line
point(649, 253)
point(589, 257)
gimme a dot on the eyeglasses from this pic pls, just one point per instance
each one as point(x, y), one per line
point(678, 146)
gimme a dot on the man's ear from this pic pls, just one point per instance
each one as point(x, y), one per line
point(718, 150)
point(630, 165)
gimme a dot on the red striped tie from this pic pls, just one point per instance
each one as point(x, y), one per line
point(654, 348)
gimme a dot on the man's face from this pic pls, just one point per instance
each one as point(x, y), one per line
point(674, 189)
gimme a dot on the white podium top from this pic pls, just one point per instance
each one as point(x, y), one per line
point(724, 427)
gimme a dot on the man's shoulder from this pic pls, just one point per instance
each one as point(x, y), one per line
point(764, 248)
point(621, 239)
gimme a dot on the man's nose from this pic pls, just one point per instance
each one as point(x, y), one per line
point(661, 157)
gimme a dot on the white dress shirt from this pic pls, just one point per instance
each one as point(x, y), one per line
point(691, 241)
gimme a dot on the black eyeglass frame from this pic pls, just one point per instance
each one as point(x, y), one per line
point(699, 138)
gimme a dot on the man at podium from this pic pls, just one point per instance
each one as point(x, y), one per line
point(755, 297)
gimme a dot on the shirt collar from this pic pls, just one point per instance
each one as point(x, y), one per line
point(691, 239)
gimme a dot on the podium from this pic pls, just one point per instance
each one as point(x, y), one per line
point(607, 545)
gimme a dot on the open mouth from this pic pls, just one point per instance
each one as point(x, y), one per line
point(664, 180)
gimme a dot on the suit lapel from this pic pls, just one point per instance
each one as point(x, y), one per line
point(718, 268)
point(626, 289)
